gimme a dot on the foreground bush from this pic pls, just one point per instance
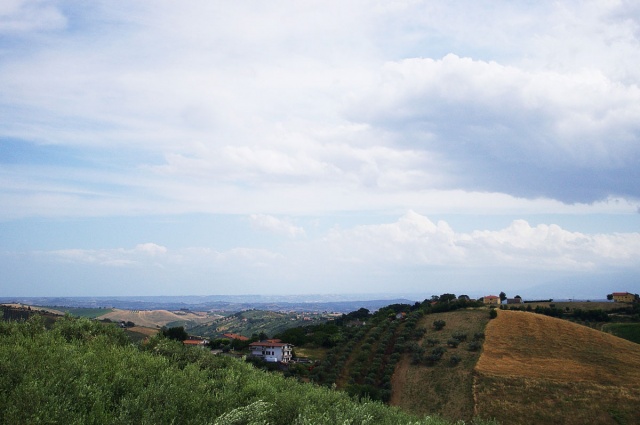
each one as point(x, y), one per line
point(84, 372)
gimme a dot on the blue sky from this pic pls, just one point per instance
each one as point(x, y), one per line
point(158, 148)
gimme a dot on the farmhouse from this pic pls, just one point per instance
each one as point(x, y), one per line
point(623, 297)
point(272, 351)
point(491, 299)
point(196, 342)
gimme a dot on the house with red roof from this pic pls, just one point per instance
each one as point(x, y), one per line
point(491, 300)
point(196, 342)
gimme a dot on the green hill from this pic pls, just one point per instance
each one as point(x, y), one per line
point(253, 322)
point(403, 360)
point(85, 372)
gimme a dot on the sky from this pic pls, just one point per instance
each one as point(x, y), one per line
point(319, 147)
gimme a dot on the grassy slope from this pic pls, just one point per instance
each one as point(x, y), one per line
point(251, 322)
point(442, 389)
point(628, 331)
point(156, 318)
point(90, 313)
point(537, 369)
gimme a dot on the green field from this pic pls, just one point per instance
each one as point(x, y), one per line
point(90, 313)
point(628, 331)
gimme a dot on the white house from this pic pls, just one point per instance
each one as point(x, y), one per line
point(272, 351)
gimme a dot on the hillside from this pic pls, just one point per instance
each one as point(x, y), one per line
point(250, 322)
point(537, 369)
point(442, 387)
point(84, 371)
point(158, 318)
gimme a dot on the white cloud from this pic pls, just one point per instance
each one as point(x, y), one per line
point(115, 257)
point(276, 225)
point(363, 96)
point(529, 133)
point(415, 240)
point(23, 16)
point(151, 249)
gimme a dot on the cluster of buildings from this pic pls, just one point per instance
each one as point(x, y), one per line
point(622, 297)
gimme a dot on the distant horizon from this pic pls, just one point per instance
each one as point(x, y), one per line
point(306, 298)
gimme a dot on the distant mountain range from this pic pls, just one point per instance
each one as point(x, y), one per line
point(298, 303)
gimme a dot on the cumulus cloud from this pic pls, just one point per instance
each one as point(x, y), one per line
point(416, 240)
point(411, 241)
point(574, 136)
point(275, 225)
point(410, 253)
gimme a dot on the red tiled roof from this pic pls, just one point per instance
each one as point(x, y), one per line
point(621, 293)
point(491, 296)
point(193, 342)
point(236, 336)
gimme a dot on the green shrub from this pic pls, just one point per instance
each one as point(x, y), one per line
point(439, 324)
point(460, 336)
point(474, 346)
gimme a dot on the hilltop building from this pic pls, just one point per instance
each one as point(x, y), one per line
point(623, 297)
point(272, 351)
point(491, 300)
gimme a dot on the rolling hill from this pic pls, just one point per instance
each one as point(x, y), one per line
point(537, 369)
point(159, 318)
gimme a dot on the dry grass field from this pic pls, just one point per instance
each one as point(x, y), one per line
point(156, 318)
point(537, 369)
point(37, 308)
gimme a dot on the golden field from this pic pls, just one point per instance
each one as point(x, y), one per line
point(156, 318)
point(538, 369)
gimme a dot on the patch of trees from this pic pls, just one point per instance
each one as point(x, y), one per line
point(366, 360)
point(176, 333)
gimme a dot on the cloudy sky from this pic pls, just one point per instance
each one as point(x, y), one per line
point(296, 147)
